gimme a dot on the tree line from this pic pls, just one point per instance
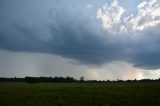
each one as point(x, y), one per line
point(68, 80)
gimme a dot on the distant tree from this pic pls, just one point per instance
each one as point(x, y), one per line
point(135, 80)
point(68, 80)
point(31, 79)
point(81, 78)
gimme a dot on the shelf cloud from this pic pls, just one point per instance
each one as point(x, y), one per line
point(96, 35)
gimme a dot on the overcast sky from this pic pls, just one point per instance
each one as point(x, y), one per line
point(97, 39)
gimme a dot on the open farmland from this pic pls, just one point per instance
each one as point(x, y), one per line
point(79, 94)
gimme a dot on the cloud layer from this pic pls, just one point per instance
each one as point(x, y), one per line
point(111, 17)
point(21, 64)
point(73, 31)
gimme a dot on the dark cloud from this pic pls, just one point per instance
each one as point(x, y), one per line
point(145, 49)
point(71, 30)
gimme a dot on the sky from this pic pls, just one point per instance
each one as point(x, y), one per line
point(97, 39)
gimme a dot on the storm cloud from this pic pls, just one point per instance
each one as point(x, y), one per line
point(73, 30)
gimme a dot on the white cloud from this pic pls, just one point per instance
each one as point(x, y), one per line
point(111, 15)
point(141, 5)
point(148, 16)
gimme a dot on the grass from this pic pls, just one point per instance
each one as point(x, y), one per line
point(79, 94)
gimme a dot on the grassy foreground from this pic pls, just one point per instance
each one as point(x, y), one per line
point(79, 94)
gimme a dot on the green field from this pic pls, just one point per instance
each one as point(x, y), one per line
point(79, 94)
